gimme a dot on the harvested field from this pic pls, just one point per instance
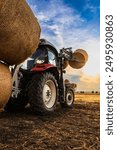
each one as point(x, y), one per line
point(66, 129)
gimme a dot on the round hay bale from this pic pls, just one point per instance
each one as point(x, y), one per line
point(5, 84)
point(73, 85)
point(1, 3)
point(19, 31)
point(79, 59)
point(65, 64)
point(82, 52)
point(66, 81)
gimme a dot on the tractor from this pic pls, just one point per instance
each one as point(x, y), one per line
point(38, 81)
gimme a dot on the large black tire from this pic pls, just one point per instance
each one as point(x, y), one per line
point(43, 102)
point(16, 104)
point(69, 99)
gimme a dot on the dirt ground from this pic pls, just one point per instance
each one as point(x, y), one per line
point(66, 129)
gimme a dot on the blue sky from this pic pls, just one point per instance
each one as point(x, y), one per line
point(74, 23)
point(87, 10)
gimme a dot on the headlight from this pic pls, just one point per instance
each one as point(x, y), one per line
point(40, 61)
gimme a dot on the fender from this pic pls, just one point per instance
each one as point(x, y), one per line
point(42, 67)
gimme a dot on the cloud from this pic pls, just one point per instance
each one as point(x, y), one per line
point(89, 83)
point(90, 7)
point(84, 81)
point(62, 21)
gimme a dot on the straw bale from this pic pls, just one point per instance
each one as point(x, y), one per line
point(66, 81)
point(5, 84)
point(19, 31)
point(73, 85)
point(79, 59)
point(82, 52)
point(65, 64)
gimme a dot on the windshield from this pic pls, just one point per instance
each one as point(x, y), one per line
point(39, 54)
point(42, 55)
point(30, 62)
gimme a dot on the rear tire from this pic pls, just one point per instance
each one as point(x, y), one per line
point(69, 99)
point(43, 93)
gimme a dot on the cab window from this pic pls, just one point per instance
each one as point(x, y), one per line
point(38, 57)
point(51, 58)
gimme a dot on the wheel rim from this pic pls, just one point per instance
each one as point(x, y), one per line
point(49, 94)
point(69, 98)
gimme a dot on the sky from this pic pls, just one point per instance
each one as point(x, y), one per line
point(76, 24)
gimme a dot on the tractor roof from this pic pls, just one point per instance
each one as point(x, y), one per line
point(44, 42)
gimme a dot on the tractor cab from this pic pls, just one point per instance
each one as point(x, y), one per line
point(45, 54)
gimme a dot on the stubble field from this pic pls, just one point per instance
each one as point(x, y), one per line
point(66, 129)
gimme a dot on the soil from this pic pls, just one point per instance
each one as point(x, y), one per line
point(66, 129)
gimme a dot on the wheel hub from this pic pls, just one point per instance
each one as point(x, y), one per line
point(49, 94)
point(69, 98)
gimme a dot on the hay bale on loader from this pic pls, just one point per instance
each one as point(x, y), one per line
point(19, 31)
point(65, 64)
point(5, 84)
point(79, 59)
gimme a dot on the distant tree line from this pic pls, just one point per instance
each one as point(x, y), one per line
point(93, 92)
